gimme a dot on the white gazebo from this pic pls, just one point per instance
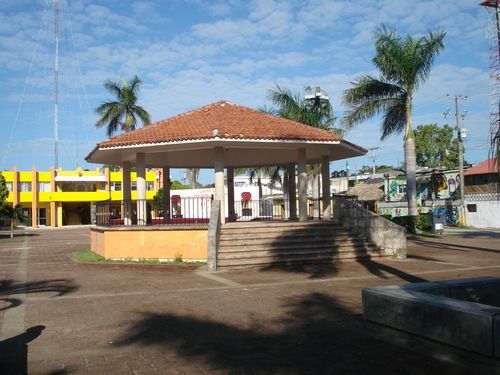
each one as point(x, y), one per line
point(224, 135)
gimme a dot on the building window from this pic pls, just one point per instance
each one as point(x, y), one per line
point(44, 187)
point(9, 186)
point(402, 189)
point(25, 187)
point(115, 186)
point(85, 187)
point(472, 208)
point(150, 185)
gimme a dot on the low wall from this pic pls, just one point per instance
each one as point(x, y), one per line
point(190, 243)
point(384, 233)
point(479, 214)
point(463, 313)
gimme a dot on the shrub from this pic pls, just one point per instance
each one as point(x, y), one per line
point(423, 222)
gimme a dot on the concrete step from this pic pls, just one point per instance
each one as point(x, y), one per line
point(289, 253)
point(279, 224)
point(271, 237)
point(283, 245)
point(255, 263)
point(271, 232)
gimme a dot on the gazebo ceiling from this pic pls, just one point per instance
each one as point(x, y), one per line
point(249, 138)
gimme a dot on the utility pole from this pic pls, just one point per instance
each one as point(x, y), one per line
point(56, 85)
point(374, 158)
point(458, 128)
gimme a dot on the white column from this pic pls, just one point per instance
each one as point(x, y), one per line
point(292, 191)
point(126, 198)
point(166, 194)
point(325, 181)
point(230, 194)
point(302, 182)
point(219, 179)
point(141, 188)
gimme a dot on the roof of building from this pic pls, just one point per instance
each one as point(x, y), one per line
point(485, 167)
point(369, 190)
point(221, 120)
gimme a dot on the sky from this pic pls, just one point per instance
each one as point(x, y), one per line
point(190, 53)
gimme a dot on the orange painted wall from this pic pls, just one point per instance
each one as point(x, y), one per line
point(150, 244)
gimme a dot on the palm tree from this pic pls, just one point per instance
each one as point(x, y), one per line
point(122, 114)
point(314, 109)
point(15, 215)
point(404, 64)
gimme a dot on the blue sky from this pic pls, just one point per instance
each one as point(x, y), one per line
point(193, 52)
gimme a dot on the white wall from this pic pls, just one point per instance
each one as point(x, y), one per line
point(487, 214)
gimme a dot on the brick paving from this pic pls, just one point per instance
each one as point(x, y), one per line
point(58, 316)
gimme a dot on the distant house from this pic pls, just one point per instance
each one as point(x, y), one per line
point(437, 190)
point(483, 177)
point(482, 195)
point(369, 193)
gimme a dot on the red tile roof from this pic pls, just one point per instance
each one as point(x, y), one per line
point(485, 167)
point(225, 120)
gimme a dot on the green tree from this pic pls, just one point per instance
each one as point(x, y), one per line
point(15, 215)
point(4, 192)
point(404, 64)
point(158, 197)
point(436, 146)
point(122, 113)
point(378, 168)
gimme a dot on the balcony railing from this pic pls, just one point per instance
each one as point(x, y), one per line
point(186, 211)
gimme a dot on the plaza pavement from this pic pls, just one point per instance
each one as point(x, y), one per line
point(58, 316)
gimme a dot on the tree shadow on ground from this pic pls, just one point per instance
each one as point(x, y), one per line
point(317, 335)
point(452, 246)
point(329, 263)
point(57, 286)
point(9, 303)
point(14, 351)
point(473, 234)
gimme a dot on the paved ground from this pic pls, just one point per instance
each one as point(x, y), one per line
point(58, 316)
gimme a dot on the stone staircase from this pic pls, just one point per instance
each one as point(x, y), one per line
point(262, 244)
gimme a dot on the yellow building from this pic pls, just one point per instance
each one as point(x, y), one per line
point(58, 198)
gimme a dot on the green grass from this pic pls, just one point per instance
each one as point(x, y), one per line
point(89, 256)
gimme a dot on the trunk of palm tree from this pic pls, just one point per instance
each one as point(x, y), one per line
point(259, 184)
point(315, 196)
point(286, 196)
point(411, 169)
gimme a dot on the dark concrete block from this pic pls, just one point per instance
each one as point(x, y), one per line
point(496, 336)
point(463, 324)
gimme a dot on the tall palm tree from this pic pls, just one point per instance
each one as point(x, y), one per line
point(122, 114)
point(314, 109)
point(404, 64)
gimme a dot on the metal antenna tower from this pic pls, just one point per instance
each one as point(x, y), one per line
point(56, 85)
point(493, 34)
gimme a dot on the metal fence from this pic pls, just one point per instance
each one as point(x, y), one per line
point(196, 211)
point(259, 210)
point(184, 211)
